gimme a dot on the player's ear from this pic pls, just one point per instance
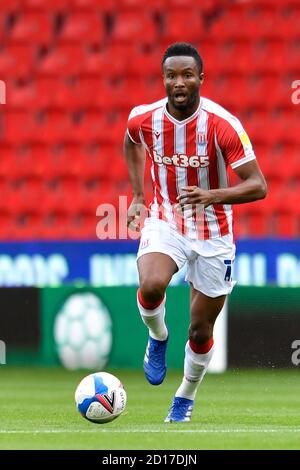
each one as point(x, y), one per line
point(163, 77)
point(201, 76)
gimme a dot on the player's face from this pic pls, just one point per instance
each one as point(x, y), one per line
point(182, 80)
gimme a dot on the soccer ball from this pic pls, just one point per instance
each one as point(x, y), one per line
point(100, 397)
point(83, 332)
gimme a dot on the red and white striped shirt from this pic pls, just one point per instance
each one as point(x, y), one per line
point(192, 152)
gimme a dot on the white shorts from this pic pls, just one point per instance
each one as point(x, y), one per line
point(209, 262)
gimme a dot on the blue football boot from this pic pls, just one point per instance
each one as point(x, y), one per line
point(155, 361)
point(180, 411)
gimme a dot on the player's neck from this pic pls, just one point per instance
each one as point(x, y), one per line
point(181, 115)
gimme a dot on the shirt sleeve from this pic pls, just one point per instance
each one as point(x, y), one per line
point(133, 126)
point(234, 143)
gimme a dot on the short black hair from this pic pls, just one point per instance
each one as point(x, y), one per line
point(183, 48)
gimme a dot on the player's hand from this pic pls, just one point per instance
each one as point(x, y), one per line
point(195, 195)
point(136, 214)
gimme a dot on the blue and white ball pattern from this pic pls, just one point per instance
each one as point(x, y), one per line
point(100, 397)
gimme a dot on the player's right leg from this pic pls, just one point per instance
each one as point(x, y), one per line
point(155, 272)
point(161, 254)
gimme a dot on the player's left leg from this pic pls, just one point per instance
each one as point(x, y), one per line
point(211, 279)
point(198, 353)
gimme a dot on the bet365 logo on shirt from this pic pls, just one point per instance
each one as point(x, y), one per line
point(179, 159)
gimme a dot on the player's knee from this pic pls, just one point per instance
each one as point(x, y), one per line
point(152, 289)
point(200, 332)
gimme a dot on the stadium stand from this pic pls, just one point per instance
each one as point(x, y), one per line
point(74, 69)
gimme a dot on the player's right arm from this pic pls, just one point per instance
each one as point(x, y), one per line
point(135, 158)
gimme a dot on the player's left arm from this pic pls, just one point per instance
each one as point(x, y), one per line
point(237, 151)
point(252, 188)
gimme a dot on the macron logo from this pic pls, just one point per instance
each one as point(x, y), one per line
point(181, 160)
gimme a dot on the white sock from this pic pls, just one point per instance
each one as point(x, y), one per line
point(195, 367)
point(155, 320)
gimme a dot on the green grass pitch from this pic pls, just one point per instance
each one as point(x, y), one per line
point(236, 410)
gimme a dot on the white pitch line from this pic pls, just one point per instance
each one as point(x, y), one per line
point(180, 431)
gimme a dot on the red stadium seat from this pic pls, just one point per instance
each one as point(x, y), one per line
point(218, 58)
point(117, 131)
point(252, 220)
point(2, 26)
point(129, 93)
point(150, 61)
point(261, 52)
point(17, 61)
point(43, 93)
point(92, 199)
point(93, 127)
point(56, 226)
point(32, 28)
point(111, 59)
point(264, 128)
point(84, 227)
point(8, 7)
point(21, 96)
point(91, 93)
point(6, 163)
point(269, 25)
point(59, 161)
point(6, 225)
point(42, 5)
point(26, 198)
point(202, 5)
point(119, 171)
point(93, 162)
point(292, 56)
point(54, 93)
point(64, 199)
point(57, 127)
point(26, 227)
point(229, 26)
point(185, 25)
point(89, 5)
point(137, 5)
point(83, 27)
point(285, 213)
point(62, 61)
point(19, 127)
point(49, 91)
point(129, 28)
point(66, 94)
point(33, 94)
point(178, 4)
point(270, 4)
point(5, 200)
point(26, 163)
point(276, 173)
point(50, 128)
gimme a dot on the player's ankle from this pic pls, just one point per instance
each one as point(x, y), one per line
point(159, 335)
